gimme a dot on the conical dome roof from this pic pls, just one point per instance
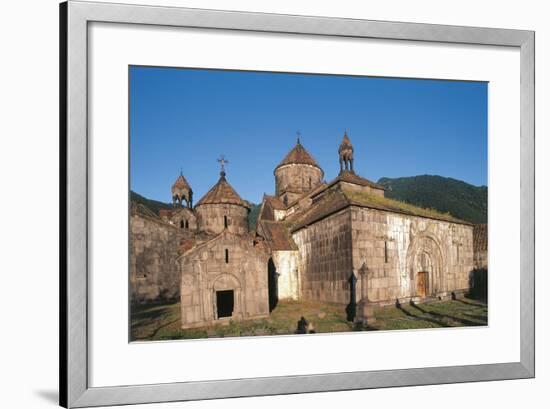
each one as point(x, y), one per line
point(222, 193)
point(298, 156)
point(345, 141)
point(180, 183)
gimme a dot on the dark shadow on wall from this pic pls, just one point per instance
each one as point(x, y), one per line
point(351, 309)
point(477, 281)
point(272, 284)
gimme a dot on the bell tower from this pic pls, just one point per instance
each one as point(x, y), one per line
point(182, 191)
point(345, 151)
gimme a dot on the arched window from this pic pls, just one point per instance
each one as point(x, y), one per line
point(182, 224)
point(225, 223)
point(187, 224)
point(385, 252)
point(227, 255)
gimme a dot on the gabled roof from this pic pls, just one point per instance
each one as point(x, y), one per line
point(180, 183)
point(166, 212)
point(373, 201)
point(347, 177)
point(142, 210)
point(332, 202)
point(351, 177)
point(275, 202)
point(298, 156)
point(276, 235)
point(338, 199)
point(188, 248)
point(222, 193)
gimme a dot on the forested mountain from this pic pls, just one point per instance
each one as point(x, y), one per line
point(153, 205)
point(460, 199)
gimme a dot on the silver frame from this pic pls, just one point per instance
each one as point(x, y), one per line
point(74, 19)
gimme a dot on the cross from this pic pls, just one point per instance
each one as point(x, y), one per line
point(223, 161)
point(298, 134)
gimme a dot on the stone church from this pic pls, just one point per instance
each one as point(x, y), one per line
point(340, 242)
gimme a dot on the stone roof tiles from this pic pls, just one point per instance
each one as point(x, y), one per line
point(275, 202)
point(332, 202)
point(345, 141)
point(180, 183)
point(338, 199)
point(222, 193)
point(351, 177)
point(276, 235)
point(298, 156)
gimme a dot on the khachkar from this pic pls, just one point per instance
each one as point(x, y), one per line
point(365, 309)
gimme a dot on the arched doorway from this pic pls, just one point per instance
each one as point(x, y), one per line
point(227, 297)
point(425, 261)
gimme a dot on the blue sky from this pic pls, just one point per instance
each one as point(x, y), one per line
point(184, 119)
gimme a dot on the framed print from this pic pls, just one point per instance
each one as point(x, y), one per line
point(259, 204)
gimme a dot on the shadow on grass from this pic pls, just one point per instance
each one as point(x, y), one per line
point(472, 302)
point(446, 316)
point(426, 319)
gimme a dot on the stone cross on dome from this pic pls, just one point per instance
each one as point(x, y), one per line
point(298, 134)
point(222, 161)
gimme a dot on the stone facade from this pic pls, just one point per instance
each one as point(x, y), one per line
point(296, 175)
point(340, 242)
point(292, 181)
point(480, 246)
point(397, 248)
point(229, 265)
point(216, 218)
point(325, 259)
point(184, 218)
point(154, 247)
point(286, 266)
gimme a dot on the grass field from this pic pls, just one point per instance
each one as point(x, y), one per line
point(162, 321)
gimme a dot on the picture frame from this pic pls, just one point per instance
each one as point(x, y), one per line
point(75, 389)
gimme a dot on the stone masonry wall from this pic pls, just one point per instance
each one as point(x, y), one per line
point(286, 264)
point(298, 179)
point(211, 218)
point(325, 258)
point(154, 272)
point(184, 218)
point(204, 271)
point(396, 247)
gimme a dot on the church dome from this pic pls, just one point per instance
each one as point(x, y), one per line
point(298, 155)
point(222, 193)
point(297, 174)
point(221, 208)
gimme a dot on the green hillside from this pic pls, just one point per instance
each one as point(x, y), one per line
point(153, 205)
point(460, 199)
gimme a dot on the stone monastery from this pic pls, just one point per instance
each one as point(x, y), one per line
point(338, 242)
